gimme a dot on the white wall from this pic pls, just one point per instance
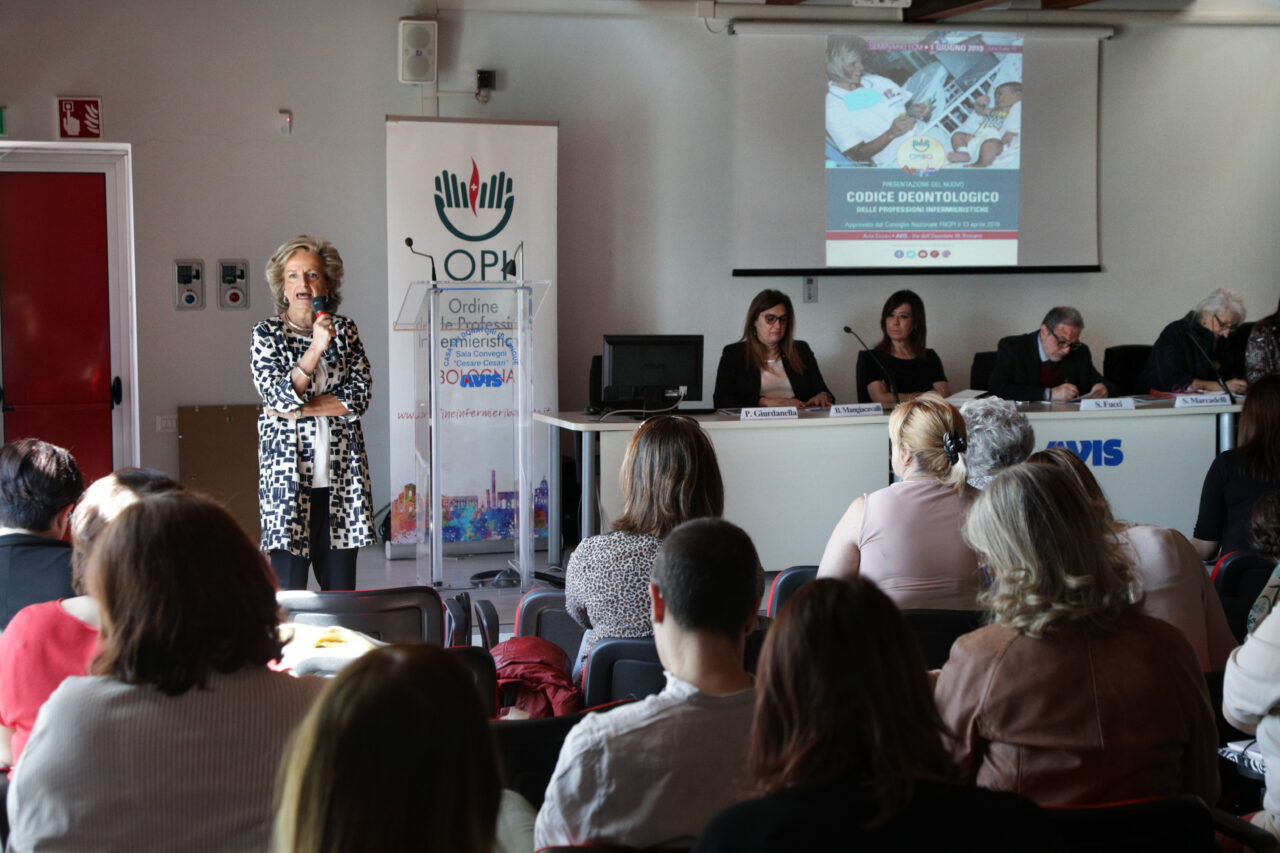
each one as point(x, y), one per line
point(1190, 197)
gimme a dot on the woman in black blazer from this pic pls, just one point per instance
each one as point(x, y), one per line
point(769, 367)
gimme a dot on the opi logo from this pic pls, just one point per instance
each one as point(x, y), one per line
point(1096, 452)
point(484, 199)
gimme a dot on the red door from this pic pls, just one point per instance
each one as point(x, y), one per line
point(55, 314)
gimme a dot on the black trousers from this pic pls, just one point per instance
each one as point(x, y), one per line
point(335, 567)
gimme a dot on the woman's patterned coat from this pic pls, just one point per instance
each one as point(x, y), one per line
point(286, 448)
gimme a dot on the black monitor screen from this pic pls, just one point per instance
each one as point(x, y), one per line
point(648, 370)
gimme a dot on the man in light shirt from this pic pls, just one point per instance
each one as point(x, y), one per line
point(654, 772)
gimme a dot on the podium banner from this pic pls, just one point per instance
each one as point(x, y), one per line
point(469, 193)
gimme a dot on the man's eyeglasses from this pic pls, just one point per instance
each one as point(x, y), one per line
point(1071, 346)
point(774, 319)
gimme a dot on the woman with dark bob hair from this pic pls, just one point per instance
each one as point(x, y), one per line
point(847, 749)
point(901, 356)
point(396, 754)
point(768, 366)
point(1238, 477)
point(1072, 695)
point(669, 475)
point(170, 742)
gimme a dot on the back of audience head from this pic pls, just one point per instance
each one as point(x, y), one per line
point(1075, 468)
point(1259, 431)
point(669, 475)
point(1265, 525)
point(998, 436)
point(933, 431)
point(183, 594)
point(709, 577)
point(841, 693)
point(396, 754)
point(1050, 550)
point(38, 481)
point(106, 498)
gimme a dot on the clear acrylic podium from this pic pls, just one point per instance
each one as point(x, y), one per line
point(473, 418)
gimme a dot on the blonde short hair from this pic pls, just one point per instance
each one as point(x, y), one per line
point(1051, 551)
point(922, 426)
point(303, 243)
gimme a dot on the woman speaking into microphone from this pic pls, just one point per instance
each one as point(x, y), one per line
point(311, 371)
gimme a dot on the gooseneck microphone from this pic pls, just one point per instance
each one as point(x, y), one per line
point(1217, 372)
point(408, 241)
point(888, 378)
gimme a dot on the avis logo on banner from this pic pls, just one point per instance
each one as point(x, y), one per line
point(1096, 452)
point(485, 200)
point(481, 380)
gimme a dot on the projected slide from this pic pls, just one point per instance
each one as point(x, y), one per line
point(923, 149)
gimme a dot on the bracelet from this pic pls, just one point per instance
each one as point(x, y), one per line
point(298, 367)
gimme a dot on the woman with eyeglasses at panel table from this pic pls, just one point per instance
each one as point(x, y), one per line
point(768, 366)
point(1193, 352)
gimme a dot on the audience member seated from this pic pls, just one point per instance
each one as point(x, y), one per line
point(1050, 364)
point(39, 486)
point(395, 755)
point(1193, 351)
point(1266, 543)
point(913, 367)
point(171, 743)
point(998, 435)
point(1262, 352)
point(653, 772)
point(1072, 695)
point(52, 640)
point(1251, 687)
point(906, 536)
point(1169, 581)
point(847, 748)
point(669, 475)
point(1238, 477)
point(768, 366)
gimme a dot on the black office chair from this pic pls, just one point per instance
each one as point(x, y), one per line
point(487, 620)
point(399, 615)
point(621, 668)
point(980, 370)
point(480, 664)
point(1239, 577)
point(541, 613)
point(937, 630)
point(457, 620)
point(785, 585)
point(1122, 364)
point(1170, 825)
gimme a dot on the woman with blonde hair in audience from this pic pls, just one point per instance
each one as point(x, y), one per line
point(906, 536)
point(46, 642)
point(669, 476)
point(395, 755)
point(847, 749)
point(1169, 581)
point(1072, 695)
point(171, 742)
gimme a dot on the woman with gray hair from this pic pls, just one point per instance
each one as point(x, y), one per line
point(311, 371)
point(999, 436)
point(1071, 695)
point(1195, 352)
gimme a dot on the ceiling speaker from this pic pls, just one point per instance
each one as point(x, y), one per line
point(418, 42)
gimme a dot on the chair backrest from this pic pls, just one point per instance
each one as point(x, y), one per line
point(1170, 824)
point(786, 583)
point(403, 614)
point(980, 370)
point(621, 668)
point(936, 630)
point(1122, 364)
point(487, 620)
point(1238, 577)
point(480, 664)
point(541, 613)
point(457, 620)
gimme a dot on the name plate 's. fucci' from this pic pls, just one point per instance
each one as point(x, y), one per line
point(772, 413)
point(1115, 404)
point(855, 410)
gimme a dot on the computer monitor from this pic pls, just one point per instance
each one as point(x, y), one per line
point(647, 371)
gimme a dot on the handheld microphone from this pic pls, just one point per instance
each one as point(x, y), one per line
point(320, 306)
point(1191, 336)
point(888, 378)
point(408, 241)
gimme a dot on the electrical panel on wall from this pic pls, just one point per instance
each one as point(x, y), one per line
point(188, 277)
point(418, 42)
point(233, 293)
